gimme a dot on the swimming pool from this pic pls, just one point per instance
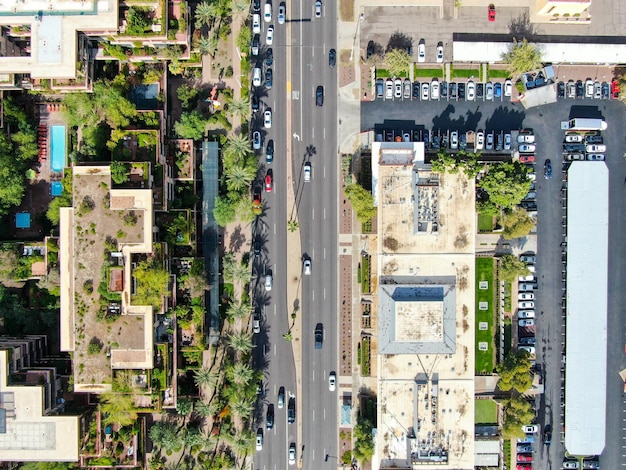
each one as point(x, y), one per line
point(56, 188)
point(57, 148)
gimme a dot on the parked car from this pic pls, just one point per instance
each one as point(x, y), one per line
point(407, 89)
point(526, 138)
point(480, 91)
point(497, 90)
point(268, 78)
point(526, 314)
point(524, 458)
point(471, 91)
point(571, 464)
point(507, 141)
point(397, 83)
point(259, 439)
point(267, 11)
point(489, 91)
point(526, 296)
point(508, 87)
point(306, 266)
point(267, 119)
point(292, 453)
point(597, 90)
point(461, 88)
point(444, 89)
point(574, 156)
point(560, 90)
point(256, 23)
point(529, 349)
point(421, 51)
point(526, 287)
point(269, 35)
point(606, 91)
point(268, 281)
point(256, 76)
point(256, 323)
point(454, 140)
point(282, 9)
point(598, 157)
point(574, 137)
point(591, 464)
point(528, 340)
point(452, 90)
point(489, 145)
point(589, 88)
point(524, 449)
point(595, 148)
point(269, 152)
point(580, 89)
point(527, 159)
point(526, 304)
point(615, 89)
point(527, 148)
point(269, 181)
point(380, 88)
point(480, 140)
point(332, 58)
point(389, 89)
point(440, 52)
point(593, 139)
point(491, 12)
point(571, 89)
point(528, 258)
point(425, 91)
point(434, 90)
point(256, 140)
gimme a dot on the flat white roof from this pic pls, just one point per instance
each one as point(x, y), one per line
point(587, 260)
point(575, 53)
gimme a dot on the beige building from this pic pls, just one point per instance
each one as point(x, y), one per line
point(98, 237)
point(563, 10)
point(425, 311)
point(30, 428)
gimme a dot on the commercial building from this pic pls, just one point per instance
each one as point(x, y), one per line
point(425, 302)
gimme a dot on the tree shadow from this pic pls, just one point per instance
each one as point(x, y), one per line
point(505, 119)
point(463, 123)
point(521, 28)
point(310, 151)
point(237, 239)
point(401, 41)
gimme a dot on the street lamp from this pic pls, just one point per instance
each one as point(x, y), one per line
point(356, 32)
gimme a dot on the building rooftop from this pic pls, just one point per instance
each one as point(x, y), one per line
point(26, 435)
point(103, 221)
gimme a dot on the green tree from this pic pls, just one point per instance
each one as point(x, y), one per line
point(239, 373)
point(225, 211)
point(398, 61)
point(236, 150)
point(119, 172)
point(152, 282)
point(137, 21)
point(511, 267)
point(363, 440)
point(205, 14)
point(118, 408)
point(516, 223)
point(239, 177)
point(362, 201)
point(506, 184)
point(242, 407)
point(187, 96)
point(184, 406)
point(229, 264)
point(518, 412)
point(191, 126)
point(194, 438)
point(238, 311)
point(522, 56)
point(239, 107)
point(205, 45)
point(205, 377)
point(242, 443)
point(166, 436)
point(241, 342)
point(514, 372)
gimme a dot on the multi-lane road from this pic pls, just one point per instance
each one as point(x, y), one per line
point(302, 132)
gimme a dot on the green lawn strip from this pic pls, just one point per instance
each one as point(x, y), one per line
point(485, 412)
point(506, 450)
point(507, 337)
point(496, 73)
point(507, 297)
point(485, 223)
point(434, 73)
point(465, 73)
point(382, 73)
point(484, 272)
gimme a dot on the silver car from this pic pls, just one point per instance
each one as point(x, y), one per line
point(407, 89)
point(318, 9)
point(489, 91)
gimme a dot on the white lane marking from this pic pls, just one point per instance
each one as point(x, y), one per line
point(313, 375)
point(313, 413)
point(324, 171)
point(274, 229)
point(324, 133)
point(324, 293)
point(313, 214)
point(324, 253)
point(275, 310)
point(313, 295)
point(324, 213)
point(274, 349)
point(324, 413)
point(313, 254)
point(313, 131)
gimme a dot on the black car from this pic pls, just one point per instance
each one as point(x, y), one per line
point(606, 91)
point(594, 139)
point(480, 91)
point(453, 90)
point(370, 49)
point(319, 96)
point(255, 103)
point(257, 248)
point(291, 411)
point(569, 148)
point(319, 336)
point(461, 91)
point(268, 79)
point(269, 418)
point(529, 205)
point(269, 152)
point(560, 89)
point(332, 58)
point(443, 90)
point(256, 6)
point(269, 57)
point(416, 89)
point(380, 88)
point(580, 89)
point(547, 169)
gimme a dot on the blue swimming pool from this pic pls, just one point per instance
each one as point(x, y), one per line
point(57, 148)
point(56, 188)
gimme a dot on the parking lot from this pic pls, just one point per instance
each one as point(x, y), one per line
point(549, 319)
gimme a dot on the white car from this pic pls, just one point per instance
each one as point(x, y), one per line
point(307, 172)
point(507, 141)
point(489, 141)
point(531, 429)
point(332, 381)
point(440, 53)
point(508, 88)
point(292, 453)
point(595, 157)
point(256, 23)
point(389, 89)
point(268, 282)
point(267, 12)
point(256, 140)
point(527, 148)
point(526, 322)
point(480, 140)
point(256, 324)
point(269, 35)
point(526, 296)
point(526, 286)
point(570, 464)
point(281, 13)
point(306, 267)
point(526, 139)
point(256, 76)
point(573, 138)
point(530, 259)
point(529, 349)
point(589, 88)
point(259, 439)
point(526, 305)
point(489, 91)
point(267, 119)
point(595, 148)
point(425, 91)
point(434, 90)
point(421, 51)
point(318, 9)
point(526, 314)
point(454, 140)
point(471, 91)
point(397, 83)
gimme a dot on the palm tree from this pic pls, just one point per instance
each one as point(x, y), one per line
point(228, 265)
point(242, 407)
point(184, 406)
point(239, 6)
point(239, 107)
point(237, 148)
point(240, 373)
point(238, 311)
point(241, 342)
point(239, 177)
point(242, 443)
point(118, 408)
point(206, 409)
point(241, 273)
point(165, 435)
point(205, 14)
point(204, 377)
point(205, 45)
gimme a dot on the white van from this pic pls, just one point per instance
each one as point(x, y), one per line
point(256, 76)
point(256, 23)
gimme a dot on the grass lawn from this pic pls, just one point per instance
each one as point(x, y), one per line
point(435, 73)
point(484, 272)
point(495, 73)
point(485, 223)
point(506, 449)
point(507, 337)
point(507, 297)
point(485, 412)
point(465, 73)
point(382, 73)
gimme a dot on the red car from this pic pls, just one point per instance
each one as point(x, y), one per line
point(524, 458)
point(527, 158)
point(269, 181)
point(615, 89)
point(492, 12)
point(524, 467)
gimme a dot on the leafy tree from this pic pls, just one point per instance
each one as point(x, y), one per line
point(522, 56)
point(205, 14)
point(166, 436)
point(229, 263)
point(186, 94)
point(517, 413)
point(505, 183)
point(137, 21)
point(118, 408)
point(196, 279)
point(242, 407)
point(190, 126)
point(239, 6)
point(152, 281)
point(511, 267)
point(193, 437)
point(362, 201)
point(236, 150)
point(363, 440)
point(224, 211)
point(242, 443)
point(240, 272)
point(398, 61)
point(515, 373)
point(239, 177)
point(517, 223)
point(239, 107)
point(119, 172)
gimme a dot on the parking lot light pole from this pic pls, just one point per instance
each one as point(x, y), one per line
point(356, 33)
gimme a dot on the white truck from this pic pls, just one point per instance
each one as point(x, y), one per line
point(584, 124)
